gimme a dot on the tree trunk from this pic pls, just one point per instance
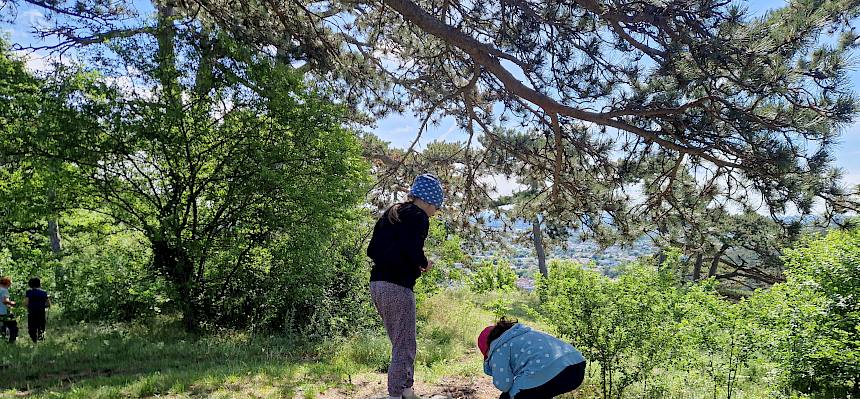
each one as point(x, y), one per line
point(54, 234)
point(697, 267)
point(167, 74)
point(175, 264)
point(54, 237)
point(716, 261)
point(54, 225)
point(537, 237)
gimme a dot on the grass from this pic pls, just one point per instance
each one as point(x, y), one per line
point(140, 360)
point(88, 360)
point(157, 359)
point(448, 326)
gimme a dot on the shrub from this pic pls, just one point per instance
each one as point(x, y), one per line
point(105, 276)
point(490, 276)
point(814, 317)
point(627, 326)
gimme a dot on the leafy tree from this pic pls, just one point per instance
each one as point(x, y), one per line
point(699, 86)
point(721, 338)
point(628, 327)
point(212, 153)
point(814, 316)
point(615, 100)
point(27, 232)
point(646, 332)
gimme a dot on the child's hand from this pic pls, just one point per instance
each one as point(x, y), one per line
point(429, 266)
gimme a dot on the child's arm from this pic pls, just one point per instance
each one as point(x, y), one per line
point(414, 241)
point(499, 368)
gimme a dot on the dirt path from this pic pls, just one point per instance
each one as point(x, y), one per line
point(372, 386)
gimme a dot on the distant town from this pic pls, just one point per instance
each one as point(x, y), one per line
point(525, 264)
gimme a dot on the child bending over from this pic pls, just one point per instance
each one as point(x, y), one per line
point(529, 364)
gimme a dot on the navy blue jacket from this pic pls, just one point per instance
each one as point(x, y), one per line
point(397, 249)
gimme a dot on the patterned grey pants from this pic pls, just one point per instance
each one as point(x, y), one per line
point(396, 305)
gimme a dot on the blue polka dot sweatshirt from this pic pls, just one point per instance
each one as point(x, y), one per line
point(523, 358)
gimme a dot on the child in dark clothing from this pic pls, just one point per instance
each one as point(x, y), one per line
point(37, 302)
point(397, 250)
point(529, 364)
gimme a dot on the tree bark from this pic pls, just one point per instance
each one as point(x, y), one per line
point(537, 237)
point(697, 267)
point(54, 234)
point(716, 261)
point(54, 226)
point(175, 264)
point(167, 73)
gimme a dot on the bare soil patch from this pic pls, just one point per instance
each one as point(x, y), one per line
point(372, 386)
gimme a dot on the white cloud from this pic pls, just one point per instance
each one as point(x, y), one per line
point(503, 185)
point(34, 18)
point(37, 62)
point(852, 179)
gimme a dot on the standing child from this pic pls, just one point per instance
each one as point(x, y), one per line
point(529, 364)
point(397, 250)
point(37, 302)
point(6, 305)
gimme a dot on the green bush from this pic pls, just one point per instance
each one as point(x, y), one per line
point(490, 276)
point(814, 317)
point(722, 340)
point(302, 283)
point(627, 326)
point(109, 281)
point(444, 250)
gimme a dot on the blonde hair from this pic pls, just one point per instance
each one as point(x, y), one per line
point(394, 211)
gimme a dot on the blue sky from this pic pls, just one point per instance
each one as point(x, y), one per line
point(400, 129)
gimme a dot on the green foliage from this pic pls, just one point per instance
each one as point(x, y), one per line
point(444, 250)
point(490, 276)
point(815, 316)
point(449, 324)
point(105, 274)
point(720, 338)
point(306, 284)
point(500, 307)
point(626, 325)
point(644, 329)
point(241, 190)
